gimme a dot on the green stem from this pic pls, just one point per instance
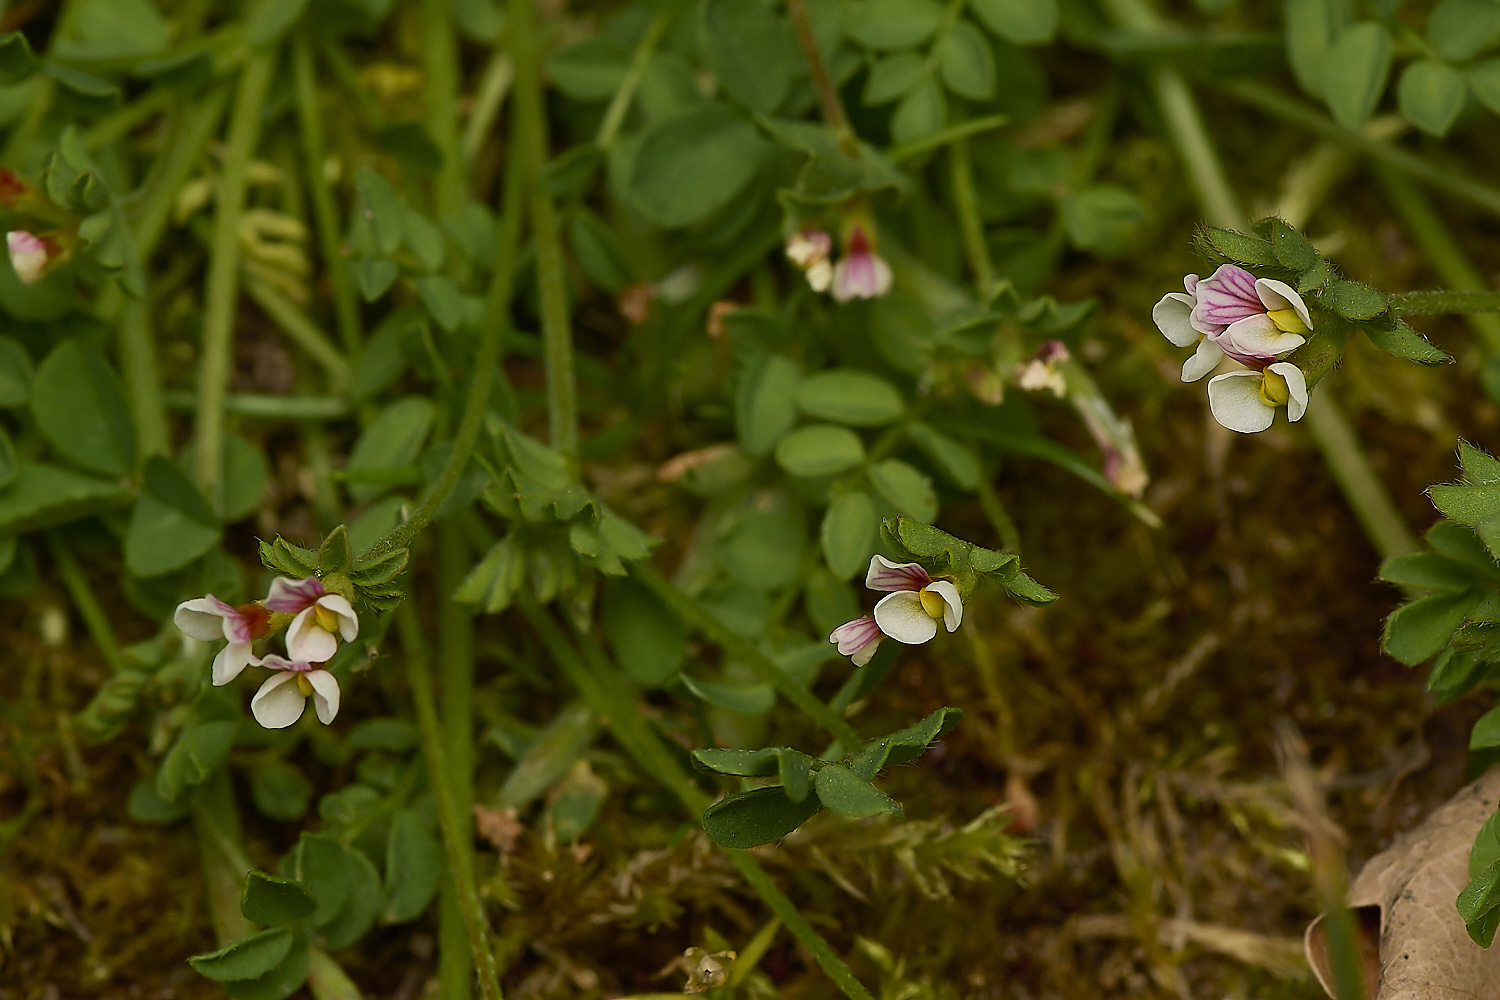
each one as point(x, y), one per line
point(87, 602)
point(828, 91)
point(619, 105)
point(607, 692)
point(326, 980)
point(1363, 490)
point(325, 213)
point(491, 337)
point(453, 825)
point(266, 406)
point(223, 274)
point(745, 652)
point(440, 98)
point(216, 821)
point(942, 137)
point(967, 203)
point(998, 516)
point(1441, 251)
point(126, 120)
point(456, 691)
point(302, 331)
point(552, 288)
point(1440, 300)
point(499, 74)
point(1393, 157)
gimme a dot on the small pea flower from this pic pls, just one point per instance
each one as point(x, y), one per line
point(1042, 372)
point(1247, 401)
point(860, 273)
point(809, 249)
point(28, 255)
point(1173, 317)
point(1235, 313)
point(208, 618)
point(320, 618)
point(282, 698)
point(858, 639)
point(917, 603)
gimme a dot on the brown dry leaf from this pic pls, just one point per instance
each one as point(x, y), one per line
point(1420, 950)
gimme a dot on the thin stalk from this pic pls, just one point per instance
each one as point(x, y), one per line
point(303, 332)
point(460, 865)
point(552, 288)
point(828, 91)
point(967, 202)
point(440, 98)
point(266, 406)
point(216, 821)
point(142, 380)
point(1394, 157)
point(87, 602)
point(456, 694)
point(326, 979)
point(491, 337)
point(324, 211)
point(224, 272)
point(1325, 421)
point(1440, 249)
point(120, 123)
point(494, 83)
point(745, 652)
point(944, 136)
point(1440, 300)
point(606, 691)
point(619, 105)
point(998, 516)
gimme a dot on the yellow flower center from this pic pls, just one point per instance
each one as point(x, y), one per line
point(1287, 321)
point(1274, 390)
point(327, 620)
point(933, 604)
point(304, 685)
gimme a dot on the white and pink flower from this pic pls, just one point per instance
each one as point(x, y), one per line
point(809, 250)
point(858, 639)
point(916, 602)
point(208, 618)
point(1232, 312)
point(283, 697)
point(29, 254)
point(321, 618)
point(860, 273)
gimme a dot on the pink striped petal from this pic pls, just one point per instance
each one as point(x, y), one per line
point(290, 596)
point(856, 635)
point(886, 575)
point(1229, 294)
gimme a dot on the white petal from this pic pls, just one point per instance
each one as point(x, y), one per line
point(325, 695)
point(1258, 337)
point(348, 620)
point(886, 575)
point(866, 653)
point(1171, 315)
point(953, 611)
point(279, 701)
point(902, 617)
point(1279, 295)
point(883, 277)
point(1204, 360)
point(820, 275)
point(202, 618)
point(1296, 383)
point(1234, 398)
point(307, 641)
point(232, 659)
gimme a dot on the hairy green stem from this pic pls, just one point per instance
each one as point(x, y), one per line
point(87, 602)
point(1442, 253)
point(499, 74)
point(454, 826)
point(607, 692)
point(265, 405)
point(303, 332)
point(552, 288)
point(216, 821)
point(325, 213)
point(456, 694)
point(823, 82)
point(1414, 166)
point(223, 274)
point(745, 652)
point(440, 98)
point(998, 516)
point(491, 338)
point(944, 136)
point(1441, 300)
point(967, 202)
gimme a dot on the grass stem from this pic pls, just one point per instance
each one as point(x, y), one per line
point(87, 602)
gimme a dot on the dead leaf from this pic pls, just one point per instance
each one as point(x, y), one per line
point(1414, 942)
